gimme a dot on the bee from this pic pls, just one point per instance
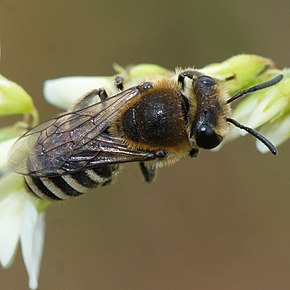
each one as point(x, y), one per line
point(155, 123)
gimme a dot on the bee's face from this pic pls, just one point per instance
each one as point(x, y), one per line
point(209, 124)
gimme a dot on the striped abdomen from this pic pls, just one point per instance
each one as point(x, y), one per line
point(67, 186)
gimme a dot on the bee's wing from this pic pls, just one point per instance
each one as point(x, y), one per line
point(104, 150)
point(54, 147)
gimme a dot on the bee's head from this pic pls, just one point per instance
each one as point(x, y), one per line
point(209, 125)
point(211, 120)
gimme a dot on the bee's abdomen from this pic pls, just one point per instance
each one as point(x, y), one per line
point(72, 185)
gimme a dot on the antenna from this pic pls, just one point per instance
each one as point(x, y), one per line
point(251, 131)
point(256, 134)
point(262, 86)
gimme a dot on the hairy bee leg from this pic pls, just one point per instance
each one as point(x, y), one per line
point(148, 171)
point(119, 82)
point(189, 74)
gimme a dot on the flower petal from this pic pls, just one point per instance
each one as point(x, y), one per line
point(63, 92)
point(32, 240)
point(278, 132)
point(4, 149)
point(10, 219)
point(14, 99)
point(268, 108)
point(146, 70)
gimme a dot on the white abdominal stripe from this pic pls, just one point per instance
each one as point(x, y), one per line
point(66, 186)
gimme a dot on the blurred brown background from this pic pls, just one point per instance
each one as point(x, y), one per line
point(218, 222)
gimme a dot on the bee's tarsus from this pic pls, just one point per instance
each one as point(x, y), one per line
point(189, 74)
point(102, 94)
point(90, 98)
point(193, 152)
point(148, 171)
point(119, 82)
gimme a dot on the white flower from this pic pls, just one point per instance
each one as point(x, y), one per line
point(5, 147)
point(21, 219)
point(21, 215)
point(63, 92)
point(277, 131)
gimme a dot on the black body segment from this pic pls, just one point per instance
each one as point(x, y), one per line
point(70, 185)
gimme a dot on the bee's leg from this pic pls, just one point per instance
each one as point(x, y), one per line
point(119, 82)
point(193, 152)
point(189, 74)
point(102, 94)
point(90, 98)
point(148, 171)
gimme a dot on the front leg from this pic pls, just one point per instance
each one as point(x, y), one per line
point(189, 74)
point(148, 171)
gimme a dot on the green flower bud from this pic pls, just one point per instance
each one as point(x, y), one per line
point(243, 68)
point(13, 99)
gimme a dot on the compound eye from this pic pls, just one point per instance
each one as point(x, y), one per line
point(206, 81)
point(206, 137)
